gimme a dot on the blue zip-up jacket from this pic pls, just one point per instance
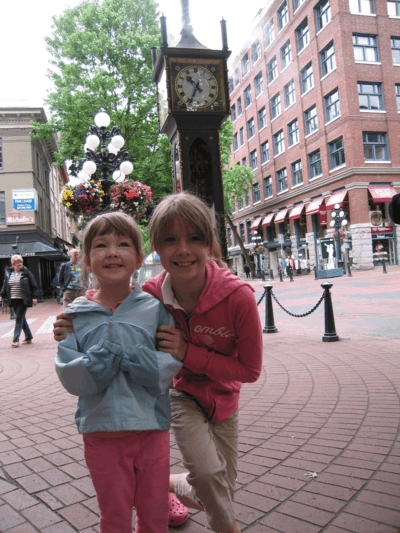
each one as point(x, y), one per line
point(111, 363)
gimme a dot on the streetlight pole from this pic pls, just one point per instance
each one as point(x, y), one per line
point(338, 219)
point(257, 240)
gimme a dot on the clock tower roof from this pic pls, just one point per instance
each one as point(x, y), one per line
point(188, 40)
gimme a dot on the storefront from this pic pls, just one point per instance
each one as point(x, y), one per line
point(383, 231)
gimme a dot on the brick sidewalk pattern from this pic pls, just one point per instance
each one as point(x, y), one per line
point(329, 408)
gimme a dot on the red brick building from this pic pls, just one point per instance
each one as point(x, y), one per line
point(315, 103)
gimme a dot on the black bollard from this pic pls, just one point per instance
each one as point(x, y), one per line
point(384, 267)
point(271, 274)
point(315, 273)
point(269, 312)
point(280, 275)
point(349, 274)
point(330, 334)
point(290, 273)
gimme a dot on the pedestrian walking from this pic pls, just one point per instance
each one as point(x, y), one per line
point(21, 291)
point(69, 278)
point(111, 363)
point(247, 270)
point(282, 264)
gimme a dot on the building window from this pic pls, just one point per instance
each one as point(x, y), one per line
point(1, 154)
point(393, 7)
point(253, 159)
point(322, 14)
point(272, 69)
point(241, 136)
point(281, 180)
point(245, 64)
point(286, 54)
point(240, 203)
point(267, 187)
point(396, 50)
point(241, 229)
point(248, 230)
point(247, 96)
point(328, 60)
point(246, 198)
point(365, 48)
point(297, 173)
point(230, 85)
point(375, 146)
point(233, 112)
point(229, 237)
point(269, 33)
point(302, 35)
point(283, 15)
point(311, 119)
point(397, 88)
point(314, 161)
point(293, 132)
point(370, 96)
point(362, 7)
point(235, 142)
point(297, 4)
point(279, 143)
point(255, 51)
point(244, 162)
point(258, 84)
point(251, 130)
point(239, 106)
point(307, 78)
point(289, 93)
point(336, 153)
point(275, 106)
point(256, 192)
point(2, 207)
point(262, 118)
point(264, 152)
point(332, 105)
point(237, 79)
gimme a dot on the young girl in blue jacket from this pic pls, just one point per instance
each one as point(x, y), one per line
point(110, 361)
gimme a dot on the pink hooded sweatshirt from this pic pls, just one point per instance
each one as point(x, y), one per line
point(224, 341)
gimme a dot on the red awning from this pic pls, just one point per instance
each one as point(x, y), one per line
point(267, 220)
point(296, 212)
point(336, 198)
point(255, 224)
point(280, 217)
point(381, 193)
point(314, 206)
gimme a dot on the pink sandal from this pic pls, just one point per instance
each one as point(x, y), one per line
point(178, 513)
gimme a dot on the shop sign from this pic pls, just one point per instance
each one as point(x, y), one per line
point(327, 248)
point(4, 256)
point(24, 199)
point(382, 229)
point(17, 218)
point(322, 216)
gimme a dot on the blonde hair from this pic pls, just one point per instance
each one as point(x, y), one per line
point(194, 213)
point(16, 256)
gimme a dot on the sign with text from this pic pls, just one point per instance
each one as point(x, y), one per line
point(17, 218)
point(24, 199)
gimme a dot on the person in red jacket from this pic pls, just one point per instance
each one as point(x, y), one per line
point(217, 323)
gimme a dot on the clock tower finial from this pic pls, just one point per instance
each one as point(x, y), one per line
point(188, 40)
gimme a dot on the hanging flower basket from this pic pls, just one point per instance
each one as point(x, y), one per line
point(341, 234)
point(82, 199)
point(131, 197)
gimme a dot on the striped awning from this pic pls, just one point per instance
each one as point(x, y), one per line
point(314, 206)
point(381, 193)
point(336, 198)
point(296, 212)
point(280, 217)
point(267, 220)
point(255, 224)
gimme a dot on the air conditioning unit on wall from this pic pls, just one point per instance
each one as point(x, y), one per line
point(375, 218)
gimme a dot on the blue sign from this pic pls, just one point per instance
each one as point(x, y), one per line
point(24, 199)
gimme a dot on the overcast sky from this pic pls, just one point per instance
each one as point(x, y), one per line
point(25, 24)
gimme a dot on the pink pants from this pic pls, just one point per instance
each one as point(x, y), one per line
point(131, 472)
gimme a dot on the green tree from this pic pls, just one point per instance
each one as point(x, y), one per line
point(101, 59)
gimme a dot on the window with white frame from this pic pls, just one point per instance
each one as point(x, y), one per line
point(311, 120)
point(297, 4)
point(241, 230)
point(256, 192)
point(328, 59)
point(262, 118)
point(235, 142)
point(395, 41)
point(293, 132)
point(286, 54)
point(307, 78)
point(241, 136)
point(365, 48)
point(264, 152)
point(281, 180)
point(233, 112)
point(279, 143)
point(336, 153)
point(247, 96)
point(275, 103)
point(269, 33)
point(397, 89)
point(362, 7)
point(245, 64)
point(314, 163)
point(289, 94)
point(393, 7)
point(255, 51)
point(253, 159)
point(244, 162)
point(268, 187)
point(230, 81)
point(251, 130)
point(246, 198)
point(237, 79)
point(258, 84)
point(240, 203)
point(375, 146)
point(283, 15)
point(229, 237)
point(2, 207)
point(272, 69)
point(302, 35)
point(297, 173)
point(332, 105)
point(370, 97)
point(239, 106)
point(322, 14)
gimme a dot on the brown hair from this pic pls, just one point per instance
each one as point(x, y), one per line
point(194, 213)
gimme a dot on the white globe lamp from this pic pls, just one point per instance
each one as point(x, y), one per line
point(89, 167)
point(102, 120)
point(92, 142)
point(118, 176)
point(118, 141)
point(112, 149)
point(126, 167)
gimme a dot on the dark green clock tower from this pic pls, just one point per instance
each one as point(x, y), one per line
point(193, 102)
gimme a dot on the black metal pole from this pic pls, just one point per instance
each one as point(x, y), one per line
point(269, 312)
point(330, 334)
point(384, 267)
point(349, 274)
point(280, 275)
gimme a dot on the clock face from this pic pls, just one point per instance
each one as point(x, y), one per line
point(196, 86)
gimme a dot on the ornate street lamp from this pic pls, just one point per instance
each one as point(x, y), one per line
point(338, 219)
point(257, 241)
point(111, 158)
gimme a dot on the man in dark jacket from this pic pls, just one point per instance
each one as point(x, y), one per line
point(69, 278)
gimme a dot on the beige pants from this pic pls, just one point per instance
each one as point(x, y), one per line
point(210, 454)
point(69, 295)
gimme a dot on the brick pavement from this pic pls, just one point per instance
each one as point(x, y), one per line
point(330, 408)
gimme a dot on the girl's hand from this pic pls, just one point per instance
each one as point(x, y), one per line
point(34, 302)
point(171, 340)
point(62, 326)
